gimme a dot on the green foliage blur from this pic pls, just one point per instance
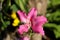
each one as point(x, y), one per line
point(6, 8)
point(53, 13)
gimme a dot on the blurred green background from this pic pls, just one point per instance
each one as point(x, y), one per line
point(52, 28)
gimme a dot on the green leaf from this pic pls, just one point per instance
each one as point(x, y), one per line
point(3, 22)
point(55, 27)
point(14, 7)
point(55, 16)
point(50, 25)
point(57, 33)
point(6, 5)
point(58, 28)
point(21, 4)
point(55, 2)
point(2, 28)
point(7, 22)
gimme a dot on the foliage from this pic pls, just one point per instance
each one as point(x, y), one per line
point(53, 14)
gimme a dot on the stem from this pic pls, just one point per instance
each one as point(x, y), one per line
point(46, 38)
point(36, 36)
point(41, 6)
point(3, 21)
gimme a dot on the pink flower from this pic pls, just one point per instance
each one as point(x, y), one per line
point(26, 19)
point(23, 28)
point(36, 22)
point(26, 38)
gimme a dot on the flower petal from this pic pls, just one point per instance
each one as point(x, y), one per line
point(38, 29)
point(23, 28)
point(37, 24)
point(41, 19)
point(31, 13)
point(22, 16)
point(26, 38)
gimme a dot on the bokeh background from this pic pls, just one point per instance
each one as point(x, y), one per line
point(51, 28)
